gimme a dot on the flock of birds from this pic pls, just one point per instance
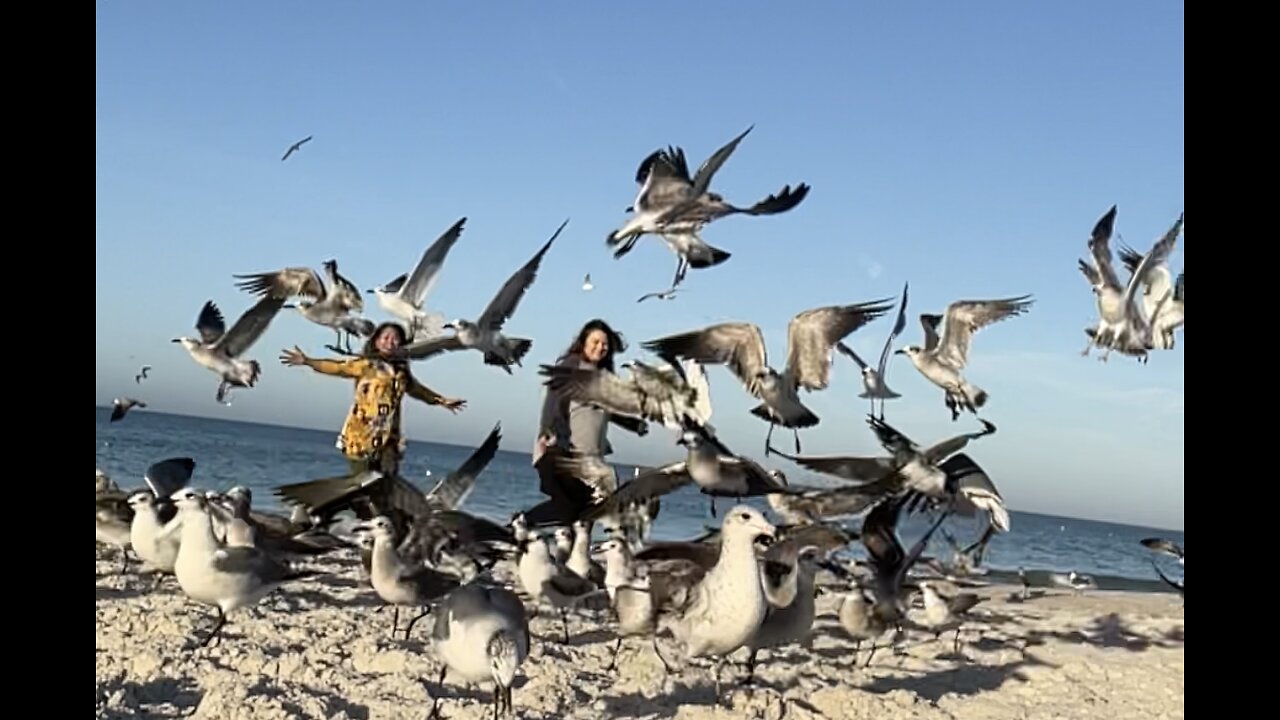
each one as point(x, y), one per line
point(748, 584)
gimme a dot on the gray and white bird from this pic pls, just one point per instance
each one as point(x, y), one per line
point(656, 394)
point(485, 334)
point(114, 522)
point(889, 561)
point(403, 297)
point(228, 578)
point(811, 335)
point(858, 620)
point(676, 207)
point(945, 613)
point(549, 581)
point(328, 305)
point(121, 407)
point(399, 583)
point(219, 350)
point(1161, 293)
point(874, 385)
point(943, 358)
point(153, 533)
point(481, 634)
point(1160, 545)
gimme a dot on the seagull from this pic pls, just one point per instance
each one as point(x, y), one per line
point(664, 295)
point(889, 561)
point(397, 582)
point(655, 394)
point(586, 283)
point(1161, 297)
point(676, 207)
point(946, 613)
point(810, 337)
point(219, 349)
point(1160, 545)
point(873, 379)
point(942, 359)
point(546, 579)
point(481, 633)
point(485, 334)
point(153, 530)
point(121, 407)
point(403, 297)
point(142, 374)
point(295, 148)
point(328, 306)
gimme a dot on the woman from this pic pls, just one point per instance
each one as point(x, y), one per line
point(580, 428)
point(370, 437)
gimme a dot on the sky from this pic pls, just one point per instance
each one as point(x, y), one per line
point(966, 148)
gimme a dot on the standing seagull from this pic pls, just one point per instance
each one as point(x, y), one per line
point(485, 334)
point(481, 633)
point(942, 359)
point(403, 296)
point(142, 374)
point(219, 349)
point(873, 382)
point(121, 407)
point(740, 346)
point(295, 148)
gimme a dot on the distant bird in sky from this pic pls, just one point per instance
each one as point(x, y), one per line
point(142, 374)
point(664, 295)
point(586, 283)
point(121, 407)
point(295, 147)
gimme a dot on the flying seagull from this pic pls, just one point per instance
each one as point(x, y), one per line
point(1160, 545)
point(330, 306)
point(664, 295)
point(1161, 297)
point(655, 394)
point(485, 334)
point(121, 407)
point(219, 349)
point(142, 374)
point(586, 283)
point(873, 378)
point(810, 338)
point(295, 147)
point(942, 359)
point(403, 296)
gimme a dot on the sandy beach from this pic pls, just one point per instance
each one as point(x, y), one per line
point(317, 649)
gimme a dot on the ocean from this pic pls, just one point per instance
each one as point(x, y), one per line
point(261, 457)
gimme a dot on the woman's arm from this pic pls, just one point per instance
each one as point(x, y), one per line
point(418, 391)
point(353, 368)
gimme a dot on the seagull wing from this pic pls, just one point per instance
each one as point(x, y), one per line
point(286, 283)
point(812, 334)
point(930, 324)
point(966, 317)
point(898, 326)
point(740, 346)
point(347, 293)
point(422, 278)
point(169, 476)
point(210, 323)
point(453, 490)
point(597, 387)
point(856, 469)
point(640, 489)
point(946, 448)
point(702, 179)
point(503, 305)
point(1099, 246)
point(249, 327)
point(1151, 263)
point(424, 349)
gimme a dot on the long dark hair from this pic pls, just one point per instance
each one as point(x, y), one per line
point(617, 343)
point(370, 350)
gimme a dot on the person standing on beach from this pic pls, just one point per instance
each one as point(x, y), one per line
point(370, 437)
point(568, 425)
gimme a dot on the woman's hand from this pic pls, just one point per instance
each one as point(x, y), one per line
point(293, 357)
point(453, 405)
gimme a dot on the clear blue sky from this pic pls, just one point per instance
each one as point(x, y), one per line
point(965, 147)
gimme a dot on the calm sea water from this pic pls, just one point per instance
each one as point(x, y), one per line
point(264, 456)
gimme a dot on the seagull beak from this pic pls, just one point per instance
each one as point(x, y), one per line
point(449, 326)
point(630, 208)
point(899, 352)
point(176, 340)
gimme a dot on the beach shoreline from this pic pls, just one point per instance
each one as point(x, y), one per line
point(318, 649)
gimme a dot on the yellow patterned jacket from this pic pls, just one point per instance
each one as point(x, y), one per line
point(374, 420)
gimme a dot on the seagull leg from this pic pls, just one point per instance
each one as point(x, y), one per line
point(956, 645)
point(715, 676)
point(750, 679)
point(564, 621)
point(682, 266)
point(874, 647)
point(614, 662)
point(796, 433)
point(415, 620)
point(435, 700)
point(767, 439)
point(665, 666)
point(222, 620)
point(713, 505)
point(395, 620)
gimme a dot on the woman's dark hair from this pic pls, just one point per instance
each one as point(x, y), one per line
point(616, 343)
point(370, 350)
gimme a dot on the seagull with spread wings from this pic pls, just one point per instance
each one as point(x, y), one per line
point(142, 374)
point(219, 349)
point(873, 378)
point(330, 306)
point(403, 297)
point(675, 206)
point(1161, 293)
point(485, 334)
point(656, 394)
point(943, 358)
point(121, 407)
point(810, 338)
point(295, 147)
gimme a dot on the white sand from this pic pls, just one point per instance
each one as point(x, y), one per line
point(317, 650)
